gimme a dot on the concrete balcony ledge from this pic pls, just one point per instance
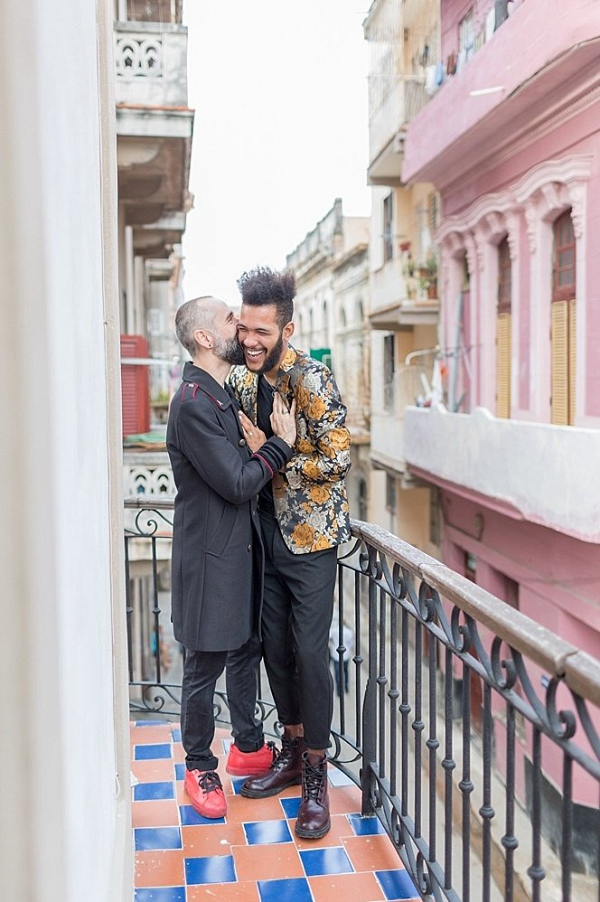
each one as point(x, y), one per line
point(151, 64)
point(529, 471)
point(508, 88)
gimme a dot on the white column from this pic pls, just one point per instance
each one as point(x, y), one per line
point(58, 557)
point(130, 326)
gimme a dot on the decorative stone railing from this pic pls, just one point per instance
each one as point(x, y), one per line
point(150, 64)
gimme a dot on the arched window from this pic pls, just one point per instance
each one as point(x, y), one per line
point(564, 283)
point(503, 330)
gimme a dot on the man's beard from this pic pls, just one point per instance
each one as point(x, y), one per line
point(272, 359)
point(229, 350)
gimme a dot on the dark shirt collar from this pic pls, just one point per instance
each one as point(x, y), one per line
point(192, 373)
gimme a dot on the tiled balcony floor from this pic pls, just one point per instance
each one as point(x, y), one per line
point(252, 853)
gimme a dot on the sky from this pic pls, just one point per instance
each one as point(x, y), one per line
point(279, 89)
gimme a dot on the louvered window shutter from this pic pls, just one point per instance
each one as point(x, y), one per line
point(564, 349)
point(572, 360)
point(560, 358)
point(503, 352)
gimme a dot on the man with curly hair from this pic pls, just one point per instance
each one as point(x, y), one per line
point(304, 517)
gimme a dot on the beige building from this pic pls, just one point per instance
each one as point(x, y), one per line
point(332, 308)
point(402, 261)
point(154, 139)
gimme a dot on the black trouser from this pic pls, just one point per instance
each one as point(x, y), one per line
point(296, 619)
point(201, 671)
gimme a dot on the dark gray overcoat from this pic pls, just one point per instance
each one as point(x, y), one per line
point(217, 557)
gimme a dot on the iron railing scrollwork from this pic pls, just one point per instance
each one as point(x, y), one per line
point(471, 731)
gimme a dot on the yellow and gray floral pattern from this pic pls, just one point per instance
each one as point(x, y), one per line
point(309, 494)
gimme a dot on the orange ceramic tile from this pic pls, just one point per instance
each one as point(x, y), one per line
point(292, 792)
point(267, 862)
point(339, 828)
point(178, 752)
point(156, 770)
point(357, 887)
point(344, 799)
point(372, 853)
point(148, 735)
point(240, 892)
point(159, 868)
point(241, 810)
point(155, 814)
point(211, 839)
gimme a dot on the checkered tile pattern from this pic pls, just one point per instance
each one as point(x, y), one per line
point(252, 853)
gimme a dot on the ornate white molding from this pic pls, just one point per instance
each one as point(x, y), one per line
point(531, 220)
point(577, 196)
point(563, 171)
point(474, 252)
point(512, 233)
point(138, 57)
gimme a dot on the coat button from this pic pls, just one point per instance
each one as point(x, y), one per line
point(250, 547)
point(242, 442)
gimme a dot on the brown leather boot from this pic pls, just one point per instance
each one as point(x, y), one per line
point(286, 770)
point(313, 815)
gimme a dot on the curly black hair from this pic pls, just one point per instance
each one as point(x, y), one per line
point(263, 286)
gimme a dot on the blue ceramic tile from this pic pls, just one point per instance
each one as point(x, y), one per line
point(365, 826)
point(215, 869)
point(396, 885)
point(291, 805)
point(161, 894)
point(154, 838)
point(190, 817)
point(236, 783)
point(146, 792)
point(261, 832)
point(319, 862)
point(176, 734)
point(339, 778)
point(151, 723)
point(180, 771)
point(148, 752)
point(294, 889)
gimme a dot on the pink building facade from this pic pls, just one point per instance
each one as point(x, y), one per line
point(511, 140)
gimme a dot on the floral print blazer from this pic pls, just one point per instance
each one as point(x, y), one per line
point(309, 494)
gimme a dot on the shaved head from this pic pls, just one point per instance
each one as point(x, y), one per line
point(198, 313)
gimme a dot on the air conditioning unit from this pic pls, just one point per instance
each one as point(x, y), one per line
point(399, 141)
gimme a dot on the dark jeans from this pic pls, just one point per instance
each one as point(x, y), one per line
point(296, 619)
point(201, 671)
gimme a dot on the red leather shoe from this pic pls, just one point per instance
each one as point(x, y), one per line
point(249, 764)
point(205, 792)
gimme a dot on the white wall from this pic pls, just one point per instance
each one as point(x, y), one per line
point(63, 816)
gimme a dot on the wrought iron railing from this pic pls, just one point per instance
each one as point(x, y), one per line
point(471, 730)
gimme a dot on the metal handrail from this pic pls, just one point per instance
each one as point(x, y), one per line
point(445, 679)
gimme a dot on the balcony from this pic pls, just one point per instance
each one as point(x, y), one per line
point(154, 132)
point(517, 466)
point(391, 309)
point(409, 386)
point(443, 717)
point(151, 64)
point(506, 91)
point(387, 131)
